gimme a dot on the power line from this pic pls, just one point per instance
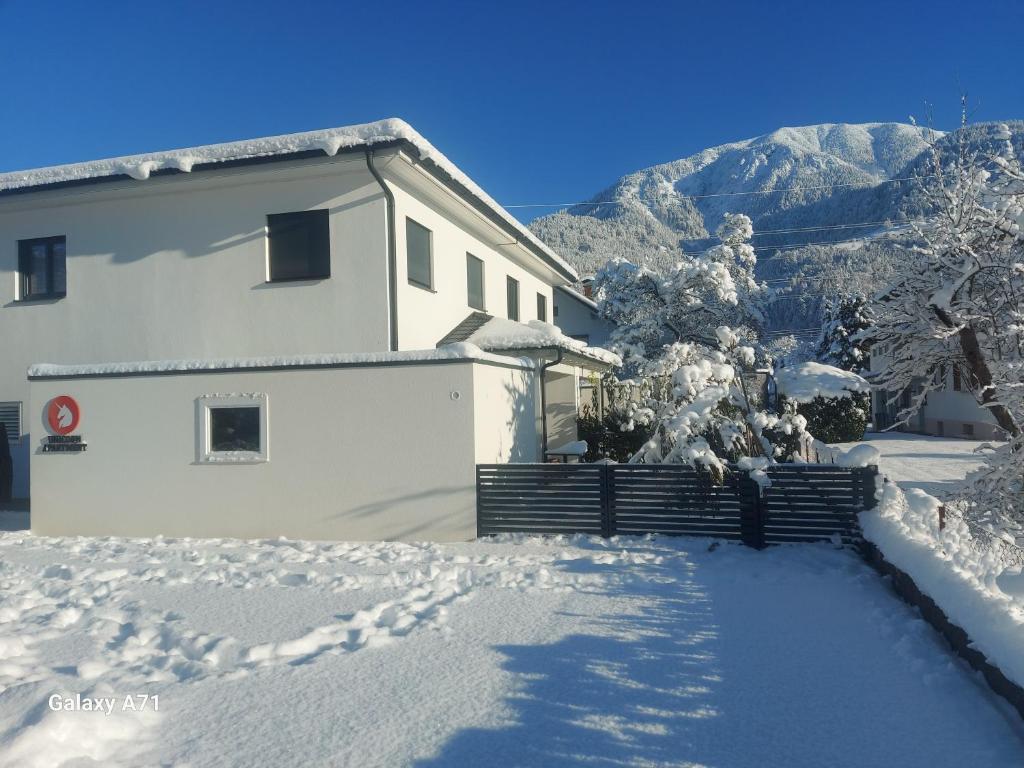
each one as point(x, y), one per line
point(888, 224)
point(778, 247)
point(774, 190)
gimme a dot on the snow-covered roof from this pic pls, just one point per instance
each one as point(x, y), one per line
point(500, 334)
point(805, 381)
point(462, 351)
point(329, 141)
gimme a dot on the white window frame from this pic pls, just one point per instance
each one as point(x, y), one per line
point(20, 410)
point(206, 403)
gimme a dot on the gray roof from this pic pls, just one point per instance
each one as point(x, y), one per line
point(465, 329)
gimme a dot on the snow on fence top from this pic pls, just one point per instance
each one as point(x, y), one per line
point(806, 381)
point(330, 141)
point(461, 351)
point(501, 334)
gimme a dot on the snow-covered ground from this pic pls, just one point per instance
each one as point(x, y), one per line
point(975, 577)
point(515, 652)
point(936, 465)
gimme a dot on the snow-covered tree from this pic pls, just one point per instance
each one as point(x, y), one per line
point(841, 343)
point(958, 301)
point(690, 334)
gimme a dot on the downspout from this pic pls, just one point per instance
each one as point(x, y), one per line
point(389, 196)
point(544, 400)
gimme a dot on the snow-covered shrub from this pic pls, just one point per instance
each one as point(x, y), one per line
point(837, 419)
point(613, 436)
point(691, 336)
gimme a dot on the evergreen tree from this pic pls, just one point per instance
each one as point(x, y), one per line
point(840, 344)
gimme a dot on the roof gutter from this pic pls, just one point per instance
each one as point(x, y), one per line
point(544, 399)
point(389, 196)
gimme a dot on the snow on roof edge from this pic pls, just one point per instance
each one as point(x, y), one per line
point(330, 141)
point(499, 333)
point(461, 351)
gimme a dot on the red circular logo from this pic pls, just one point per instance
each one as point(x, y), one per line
point(62, 415)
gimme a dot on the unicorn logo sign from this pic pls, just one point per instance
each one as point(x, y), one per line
point(62, 415)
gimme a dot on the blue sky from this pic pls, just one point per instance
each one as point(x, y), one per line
point(538, 101)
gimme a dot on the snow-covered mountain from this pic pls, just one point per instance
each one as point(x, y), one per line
point(826, 202)
point(822, 170)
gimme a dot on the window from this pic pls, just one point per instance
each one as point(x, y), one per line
point(419, 259)
point(232, 428)
point(474, 282)
point(542, 307)
point(235, 428)
point(512, 293)
point(969, 430)
point(42, 268)
point(958, 383)
point(10, 418)
point(299, 245)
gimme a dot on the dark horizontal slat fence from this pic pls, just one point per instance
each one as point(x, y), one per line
point(805, 502)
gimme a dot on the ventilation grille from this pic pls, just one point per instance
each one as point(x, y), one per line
point(10, 417)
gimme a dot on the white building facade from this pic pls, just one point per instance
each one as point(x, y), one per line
point(950, 410)
point(358, 240)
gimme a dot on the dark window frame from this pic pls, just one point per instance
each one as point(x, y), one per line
point(511, 286)
point(318, 217)
point(25, 268)
point(470, 258)
point(409, 221)
point(542, 307)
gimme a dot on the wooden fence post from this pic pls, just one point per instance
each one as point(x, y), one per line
point(607, 501)
point(866, 476)
point(751, 513)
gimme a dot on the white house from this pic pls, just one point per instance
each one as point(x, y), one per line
point(306, 281)
point(950, 410)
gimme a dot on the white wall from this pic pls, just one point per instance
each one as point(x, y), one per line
point(561, 387)
point(424, 316)
point(506, 415)
point(576, 319)
point(341, 466)
point(175, 267)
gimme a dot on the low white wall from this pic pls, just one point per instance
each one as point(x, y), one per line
point(364, 453)
point(506, 415)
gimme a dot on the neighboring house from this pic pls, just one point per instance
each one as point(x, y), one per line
point(576, 314)
point(252, 266)
point(950, 411)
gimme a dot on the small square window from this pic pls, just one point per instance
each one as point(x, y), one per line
point(42, 268)
point(419, 259)
point(542, 307)
point(474, 282)
point(512, 295)
point(235, 428)
point(299, 245)
point(232, 428)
